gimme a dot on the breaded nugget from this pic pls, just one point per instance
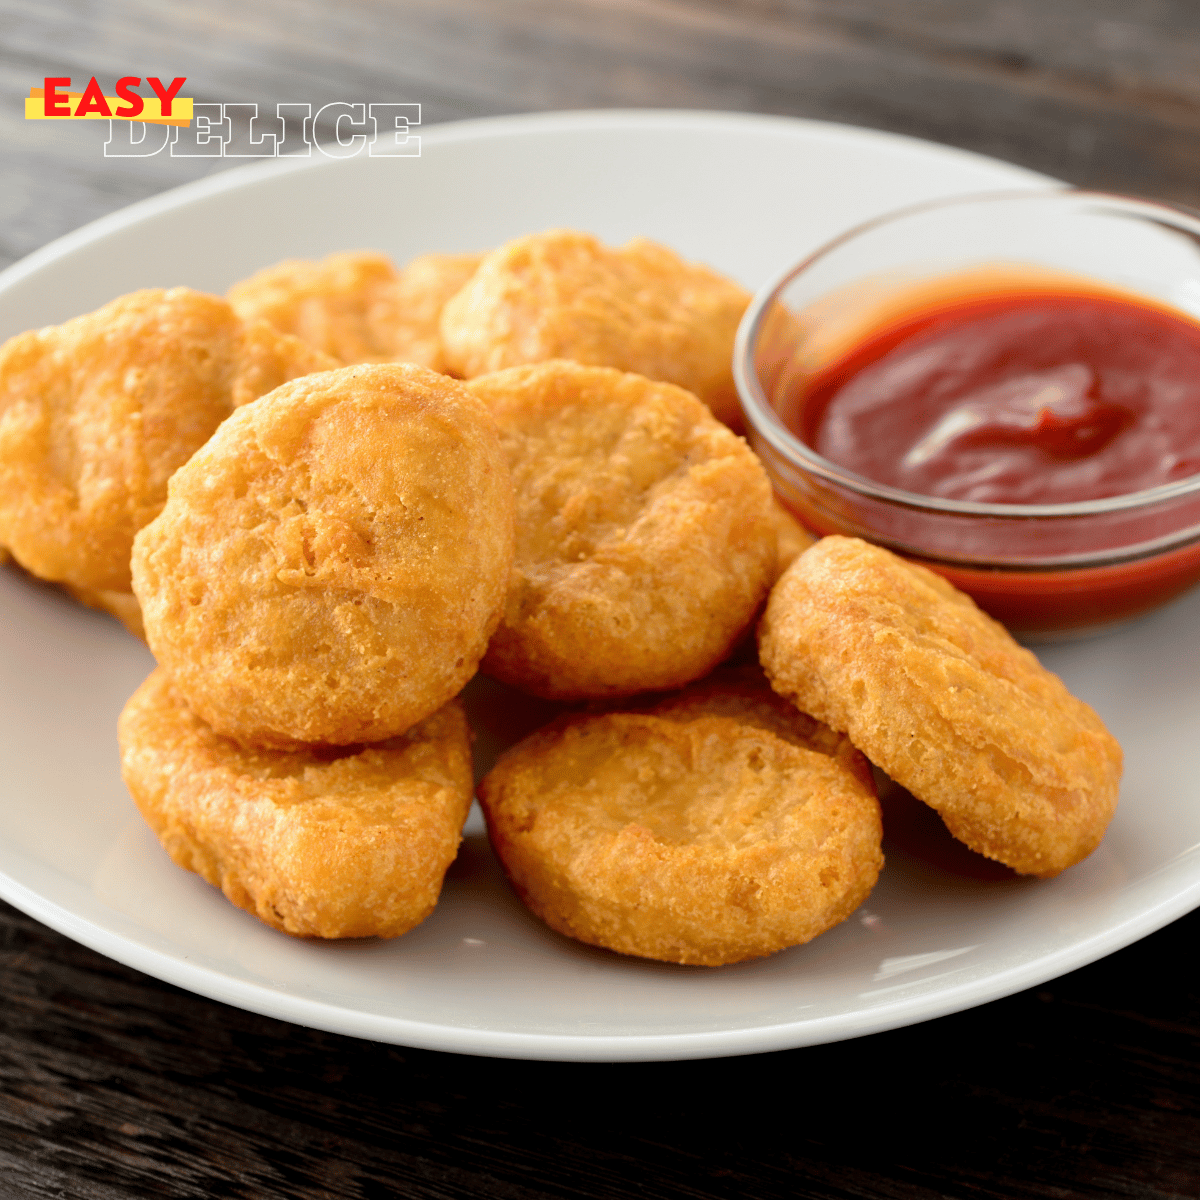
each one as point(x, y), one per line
point(330, 566)
point(315, 842)
point(687, 836)
point(644, 532)
point(939, 696)
point(356, 307)
point(562, 294)
point(343, 305)
point(422, 290)
point(97, 413)
point(268, 358)
point(744, 694)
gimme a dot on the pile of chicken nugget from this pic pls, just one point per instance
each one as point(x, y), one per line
point(329, 499)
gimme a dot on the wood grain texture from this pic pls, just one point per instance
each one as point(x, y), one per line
point(1104, 94)
point(115, 1085)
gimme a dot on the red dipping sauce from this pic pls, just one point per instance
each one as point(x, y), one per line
point(1016, 399)
point(999, 388)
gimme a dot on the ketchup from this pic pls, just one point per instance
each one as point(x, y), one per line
point(1037, 398)
point(1009, 385)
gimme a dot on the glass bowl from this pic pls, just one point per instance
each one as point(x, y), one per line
point(1047, 571)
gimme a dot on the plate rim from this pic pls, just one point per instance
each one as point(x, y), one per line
point(561, 1047)
point(447, 132)
point(282, 1005)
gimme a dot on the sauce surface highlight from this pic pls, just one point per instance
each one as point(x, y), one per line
point(1038, 398)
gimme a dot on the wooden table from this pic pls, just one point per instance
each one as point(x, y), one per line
point(115, 1085)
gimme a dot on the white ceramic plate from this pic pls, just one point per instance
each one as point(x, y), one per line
point(748, 195)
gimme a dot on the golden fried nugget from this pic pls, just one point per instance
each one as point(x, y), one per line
point(356, 307)
point(562, 294)
point(97, 413)
point(791, 538)
point(687, 837)
point(268, 358)
point(939, 696)
point(644, 534)
point(744, 693)
point(330, 566)
point(343, 305)
point(422, 290)
point(316, 842)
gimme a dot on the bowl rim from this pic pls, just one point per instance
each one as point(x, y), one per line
point(762, 419)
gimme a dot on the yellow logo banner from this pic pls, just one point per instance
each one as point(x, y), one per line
point(104, 108)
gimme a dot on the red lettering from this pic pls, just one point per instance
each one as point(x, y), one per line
point(93, 101)
point(168, 94)
point(125, 86)
point(55, 103)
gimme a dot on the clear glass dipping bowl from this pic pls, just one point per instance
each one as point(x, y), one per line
point(1048, 571)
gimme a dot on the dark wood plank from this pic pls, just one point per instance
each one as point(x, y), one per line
point(1103, 94)
point(114, 1084)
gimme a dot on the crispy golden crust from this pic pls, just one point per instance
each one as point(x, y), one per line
point(330, 566)
point(315, 842)
point(940, 697)
point(701, 839)
point(422, 291)
point(269, 358)
point(343, 305)
point(644, 535)
point(744, 694)
point(97, 413)
point(562, 294)
point(356, 307)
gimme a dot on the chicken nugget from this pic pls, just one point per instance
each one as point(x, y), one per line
point(745, 694)
point(330, 566)
point(97, 413)
point(644, 533)
point(683, 835)
point(563, 294)
point(315, 842)
point(422, 290)
point(343, 305)
point(939, 696)
point(356, 307)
